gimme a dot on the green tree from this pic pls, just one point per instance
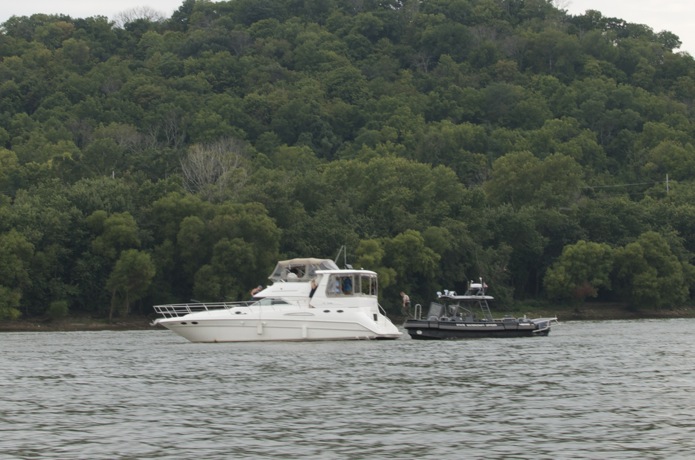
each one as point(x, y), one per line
point(370, 255)
point(115, 233)
point(232, 266)
point(9, 303)
point(461, 147)
point(522, 179)
point(672, 158)
point(46, 218)
point(346, 83)
point(9, 171)
point(580, 271)
point(516, 235)
point(16, 253)
point(615, 220)
point(554, 52)
point(416, 265)
point(648, 274)
point(513, 106)
point(129, 280)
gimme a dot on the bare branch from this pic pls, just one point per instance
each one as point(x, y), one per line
point(215, 170)
point(139, 12)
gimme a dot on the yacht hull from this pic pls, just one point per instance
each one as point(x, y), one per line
point(233, 330)
point(301, 325)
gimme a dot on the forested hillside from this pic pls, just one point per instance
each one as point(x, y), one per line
point(160, 160)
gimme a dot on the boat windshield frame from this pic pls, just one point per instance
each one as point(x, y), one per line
point(302, 269)
point(466, 307)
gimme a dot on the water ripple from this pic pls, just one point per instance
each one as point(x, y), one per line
point(621, 389)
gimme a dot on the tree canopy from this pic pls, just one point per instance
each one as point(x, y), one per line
point(151, 158)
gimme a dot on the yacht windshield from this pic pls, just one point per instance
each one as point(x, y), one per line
point(270, 301)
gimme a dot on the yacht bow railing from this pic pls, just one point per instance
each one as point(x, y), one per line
point(183, 309)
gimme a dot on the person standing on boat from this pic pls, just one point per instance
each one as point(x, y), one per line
point(313, 288)
point(256, 290)
point(406, 303)
point(336, 287)
point(347, 285)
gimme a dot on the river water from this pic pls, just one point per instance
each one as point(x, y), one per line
point(611, 389)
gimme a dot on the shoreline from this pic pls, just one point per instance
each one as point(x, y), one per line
point(85, 323)
point(588, 312)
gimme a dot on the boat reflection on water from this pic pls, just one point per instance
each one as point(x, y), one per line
point(309, 299)
point(455, 316)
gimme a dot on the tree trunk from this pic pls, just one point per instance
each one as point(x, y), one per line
point(113, 299)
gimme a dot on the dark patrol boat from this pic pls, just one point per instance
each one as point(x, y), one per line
point(454, 316)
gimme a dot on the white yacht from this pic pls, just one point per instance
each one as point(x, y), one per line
point(308, 299)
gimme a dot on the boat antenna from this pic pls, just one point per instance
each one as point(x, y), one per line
point(343, 250)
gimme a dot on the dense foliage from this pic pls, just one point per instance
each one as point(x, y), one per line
point(438, 140)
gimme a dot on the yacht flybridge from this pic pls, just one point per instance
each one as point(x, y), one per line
point(308, 299)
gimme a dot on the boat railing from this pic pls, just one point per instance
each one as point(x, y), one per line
point(417, 311)
point(546, 321)
point(182, 309)
point(544, 324)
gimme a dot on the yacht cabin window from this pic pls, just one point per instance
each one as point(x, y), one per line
point(352, 284)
